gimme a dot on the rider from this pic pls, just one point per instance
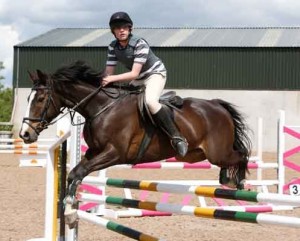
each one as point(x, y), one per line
point(145, 68)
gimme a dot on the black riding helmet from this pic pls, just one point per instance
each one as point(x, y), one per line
point(118, 19)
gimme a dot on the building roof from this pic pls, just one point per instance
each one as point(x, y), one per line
point(173, 37)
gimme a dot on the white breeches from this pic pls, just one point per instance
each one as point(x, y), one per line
point(155, 85)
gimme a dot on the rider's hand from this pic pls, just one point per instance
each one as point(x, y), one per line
point(107, 79)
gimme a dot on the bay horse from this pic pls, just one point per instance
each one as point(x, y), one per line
point(114, 130)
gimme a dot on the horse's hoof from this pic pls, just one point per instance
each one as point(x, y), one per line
point(71, 217)
point(230, 184)
point(73, 225)
point(224, 177)
point(241, 185)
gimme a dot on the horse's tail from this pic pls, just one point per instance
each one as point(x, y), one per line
point(242, 142)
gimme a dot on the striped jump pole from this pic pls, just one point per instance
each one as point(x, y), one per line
point(115, 227)
point(185, 165)
point(93, 180)
point(204, 191)
point(23, 146)
point(25, 152)
point(31, 155)
point(20, 141)
point(259, 218)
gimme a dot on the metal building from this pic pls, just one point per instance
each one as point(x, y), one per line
point(196, 58)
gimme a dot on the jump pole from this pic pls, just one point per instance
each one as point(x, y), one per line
point(26, 152)
point(31, 155)
point(23, 146)
point(259, 218)
point(204, 191)
point(184, 165)
point(115, 227)
point(20, 141)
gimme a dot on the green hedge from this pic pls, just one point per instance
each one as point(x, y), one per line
point(6, 127)
point(6, 103)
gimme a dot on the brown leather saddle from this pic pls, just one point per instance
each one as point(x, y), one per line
point(169, 99)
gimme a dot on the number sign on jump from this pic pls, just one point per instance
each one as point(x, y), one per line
point(295, 189)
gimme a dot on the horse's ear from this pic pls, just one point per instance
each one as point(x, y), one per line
point(32, 76)
point(42, 77)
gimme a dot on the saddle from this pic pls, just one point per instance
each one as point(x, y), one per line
point(169, 99)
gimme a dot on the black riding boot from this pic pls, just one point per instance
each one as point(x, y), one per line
point(164, 120)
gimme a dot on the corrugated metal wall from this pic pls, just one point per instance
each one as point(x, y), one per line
point(50, 59)
point(188, 67)
point(233, 68)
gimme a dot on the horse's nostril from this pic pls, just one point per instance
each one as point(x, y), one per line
point(26, 136)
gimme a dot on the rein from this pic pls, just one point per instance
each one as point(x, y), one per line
point(71, 111)
point(118, 98)
point(44, 124)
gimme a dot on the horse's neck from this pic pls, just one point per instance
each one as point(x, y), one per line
point(74, 94)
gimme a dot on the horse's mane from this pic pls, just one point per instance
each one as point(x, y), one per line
point(79, 70)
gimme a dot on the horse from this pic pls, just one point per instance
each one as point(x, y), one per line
point(114, 128)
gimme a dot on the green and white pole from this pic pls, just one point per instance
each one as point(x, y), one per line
point(251, 196)
point(248, 217)
point(115, 227)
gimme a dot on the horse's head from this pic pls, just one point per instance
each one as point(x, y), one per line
point(71, 85)
point(41, 109)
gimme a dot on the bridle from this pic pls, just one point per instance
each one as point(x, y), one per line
point(43, 123)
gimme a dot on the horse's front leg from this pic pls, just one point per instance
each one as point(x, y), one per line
point(79, 172)
point(108, 157)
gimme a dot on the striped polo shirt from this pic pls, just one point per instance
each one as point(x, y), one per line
point(137, 51)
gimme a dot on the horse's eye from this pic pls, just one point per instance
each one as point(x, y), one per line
point(40, 99)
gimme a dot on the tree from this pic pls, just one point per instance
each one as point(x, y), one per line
point(1, 67)
point(6, 99)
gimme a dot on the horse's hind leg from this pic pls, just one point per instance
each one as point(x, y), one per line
point(233, 173)
point(232, 163)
